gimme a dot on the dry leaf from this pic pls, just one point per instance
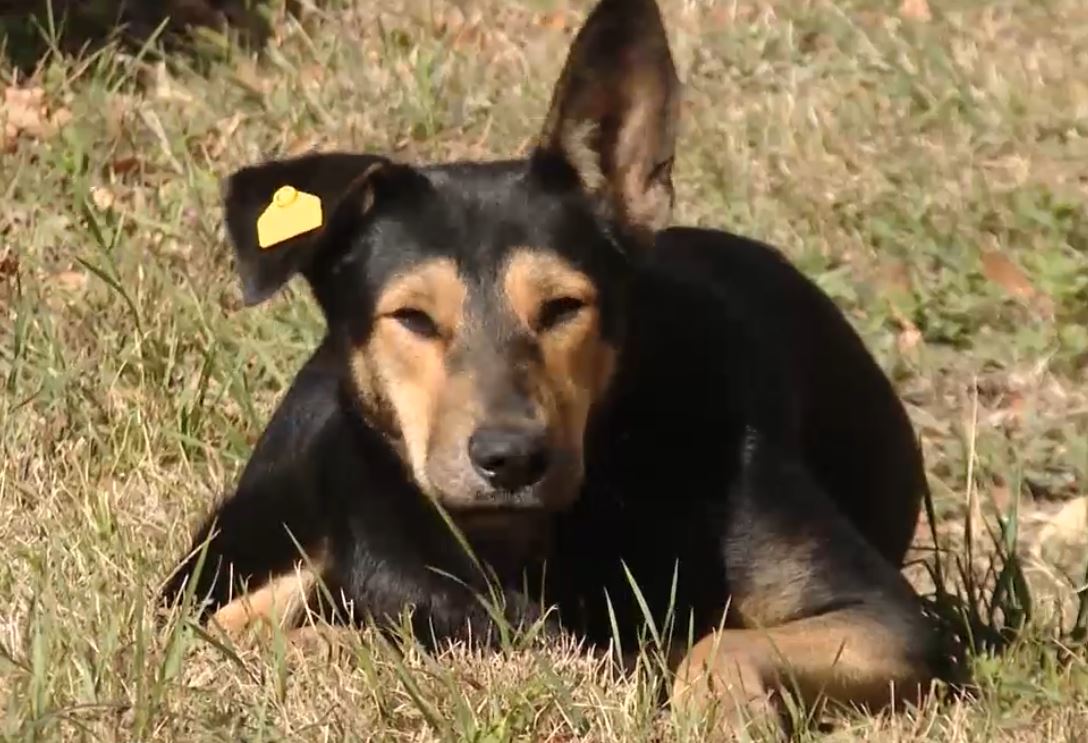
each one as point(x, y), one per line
point(216, 142)
point(9, 264)
point(1001, 497)
point(1000, 269)
point(312, 75)
point(123, 165)
point(247, 75)
point(908, 338)
point(24, 111)
point(1007, 415)
point(894, 275)
point(470, 36)
point(450, 22)
point(70, 281)
point(301, 145)
point(24, 108)
point(721, 17)
point(1068, 525)
point(118, 111)
point(557, 20)
point(60, 118)
point(103, 198)
point(915, 10)
point(165, 89)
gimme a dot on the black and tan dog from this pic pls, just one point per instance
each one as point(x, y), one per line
point(592, 398)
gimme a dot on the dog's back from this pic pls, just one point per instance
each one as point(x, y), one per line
point(855, 433)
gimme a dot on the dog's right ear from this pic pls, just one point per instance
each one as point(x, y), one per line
point(251, 192)
point(614, 113)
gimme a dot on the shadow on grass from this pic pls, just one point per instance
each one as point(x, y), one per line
point(982, 604)
point(30, 30)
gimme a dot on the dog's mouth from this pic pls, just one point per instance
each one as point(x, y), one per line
point(544, 497)
point(509, 502)
point(497, 517)
point(463, 492)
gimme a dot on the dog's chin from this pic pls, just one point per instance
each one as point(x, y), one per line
point(555, 493)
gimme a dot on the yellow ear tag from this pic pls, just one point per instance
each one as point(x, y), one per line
point(291, 213)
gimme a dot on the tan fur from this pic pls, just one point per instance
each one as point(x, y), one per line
point(532, 277)
point(575, 141)
point(406, 381)
point(402, 373)
point(578, 364)
point(849, 656)
point(646, 140)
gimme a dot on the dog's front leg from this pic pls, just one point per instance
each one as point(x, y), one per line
point(821, 614)
point(853, 656)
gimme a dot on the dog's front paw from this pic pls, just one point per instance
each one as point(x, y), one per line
point(724, 688)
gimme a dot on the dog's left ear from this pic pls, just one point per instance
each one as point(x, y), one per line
point(614, 113)
point(249, 193)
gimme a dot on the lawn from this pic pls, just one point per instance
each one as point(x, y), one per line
point(927, 165)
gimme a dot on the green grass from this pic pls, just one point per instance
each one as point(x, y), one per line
point(889, 157)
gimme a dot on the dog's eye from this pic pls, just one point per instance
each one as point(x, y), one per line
point(417, 321)
point(555, 312)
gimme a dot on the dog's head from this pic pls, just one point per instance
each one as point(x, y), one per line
point(480, 305)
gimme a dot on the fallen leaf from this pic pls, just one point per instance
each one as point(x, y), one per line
point(1001, 497)
point(301, 145)
point(70, 281)
point(1067, 525)
point(166, 89)
point(470, 36)
point(1007, 415)
point(894, 275)
point(916, 10)
point(557, 20)
point(721, 17)
point(25, 112)
point(216, 141)
point(247, 75)
point(60, 118)
point(103, 198)
point(312, 75)
point(1001, 270)
point(9, 264)
point(908, 338)
point(24, 108)
point(123, 165)
point(451, 21)
point(118, 112)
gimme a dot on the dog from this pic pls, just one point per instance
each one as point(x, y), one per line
point(525, 357)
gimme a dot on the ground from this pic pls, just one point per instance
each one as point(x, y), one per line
point(927, 165)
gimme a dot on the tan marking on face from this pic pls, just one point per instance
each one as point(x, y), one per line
point(578, 363)
point(402, 375)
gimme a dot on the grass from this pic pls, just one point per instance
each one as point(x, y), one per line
point(929, 174)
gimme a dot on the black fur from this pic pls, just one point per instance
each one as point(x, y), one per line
point(744, 404)
point(729, 355)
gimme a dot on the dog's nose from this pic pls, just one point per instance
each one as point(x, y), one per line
point(507, 457)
